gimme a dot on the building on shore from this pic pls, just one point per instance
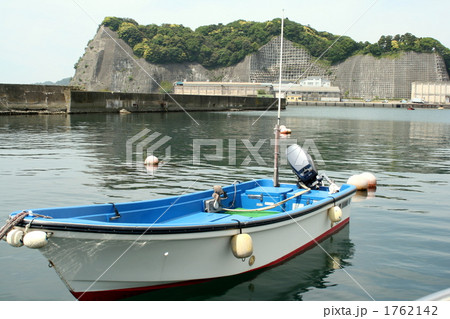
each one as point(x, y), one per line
point(431, 92)
point(298, 92)
point(223, 88)
point(309, 89)
point(315, 81)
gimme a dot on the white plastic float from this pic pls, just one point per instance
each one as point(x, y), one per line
point(363, 181)
point(15, 238)
point(335, 214)
point(242, 245)
point(284, 130)
point(34, 239)
point(151, 160)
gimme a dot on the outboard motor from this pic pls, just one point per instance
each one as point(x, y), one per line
point(303, 166)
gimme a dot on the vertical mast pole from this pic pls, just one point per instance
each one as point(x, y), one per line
point(276, 182)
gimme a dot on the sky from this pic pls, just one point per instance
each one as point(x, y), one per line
point(41, 40)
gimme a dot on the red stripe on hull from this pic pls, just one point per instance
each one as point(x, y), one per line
point(118, 294)
point(107, 295)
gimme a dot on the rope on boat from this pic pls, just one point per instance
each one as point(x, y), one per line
point(13, 221)
point(268, 207)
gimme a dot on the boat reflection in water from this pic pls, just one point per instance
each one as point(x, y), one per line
point(287, 281)
point(363, 195)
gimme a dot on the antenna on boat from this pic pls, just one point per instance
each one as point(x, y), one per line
point(277, 127)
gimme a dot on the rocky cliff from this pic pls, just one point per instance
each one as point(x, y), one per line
point(108, 64)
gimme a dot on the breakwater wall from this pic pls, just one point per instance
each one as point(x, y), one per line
point(111, 102)
point(31, 99)
point(47, 99)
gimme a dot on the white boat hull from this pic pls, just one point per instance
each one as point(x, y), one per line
point(98, 266)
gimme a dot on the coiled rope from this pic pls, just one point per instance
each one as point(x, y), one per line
point(12, 221)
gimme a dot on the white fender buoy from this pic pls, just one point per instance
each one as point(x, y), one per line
point(35, 239)
point(242, 245)
point(15, 237)
point(359, 181)
point(151, 160)
point(371, 179)
point(335, 214)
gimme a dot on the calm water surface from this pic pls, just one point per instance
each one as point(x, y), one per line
point(396, 247)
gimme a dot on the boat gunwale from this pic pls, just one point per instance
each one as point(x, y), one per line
point(49, 224)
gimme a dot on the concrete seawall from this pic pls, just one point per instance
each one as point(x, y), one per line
point(110, 102)
point(29, 99)
point(47, 99)
point(367, 104)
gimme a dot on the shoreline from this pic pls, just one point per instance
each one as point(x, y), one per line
point(14, 112)
point(23, 99)
point(370, 104)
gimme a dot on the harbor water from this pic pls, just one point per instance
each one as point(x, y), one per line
point(396, 246)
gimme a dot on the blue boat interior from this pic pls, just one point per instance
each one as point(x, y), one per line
point(191, 209)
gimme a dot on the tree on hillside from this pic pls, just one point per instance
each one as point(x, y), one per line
point(220, 45)
point(130, 33)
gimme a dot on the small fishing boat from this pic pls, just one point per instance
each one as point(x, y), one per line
point(111, 251)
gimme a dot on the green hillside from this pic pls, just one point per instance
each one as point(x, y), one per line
point(220, 45)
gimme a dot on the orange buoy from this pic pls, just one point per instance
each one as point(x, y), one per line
point(363, 181)
point(284, 130)
point(371, 179)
